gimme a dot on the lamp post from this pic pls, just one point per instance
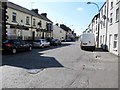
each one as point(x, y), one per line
point(98, 20)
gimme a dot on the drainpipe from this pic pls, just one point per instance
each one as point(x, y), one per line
point(31, 28)
point(106, 25)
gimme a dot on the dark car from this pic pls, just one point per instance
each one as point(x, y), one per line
point(55, 42)
point(15, 45)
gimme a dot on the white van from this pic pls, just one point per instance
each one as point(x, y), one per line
point(88, 41)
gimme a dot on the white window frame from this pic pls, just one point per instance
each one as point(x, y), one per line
point(115, 41)
point(27, 20)
point(111, 18)
point(117, 14)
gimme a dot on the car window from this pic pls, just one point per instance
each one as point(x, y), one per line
point(8, 41)
point(16, 42)
point(43, 40)
point(37, 41)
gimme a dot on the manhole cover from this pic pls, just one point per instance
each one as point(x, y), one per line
point(34, 71)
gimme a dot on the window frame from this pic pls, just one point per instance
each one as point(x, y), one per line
point(27, 20)
point(115, 42)
point(117, 14)
point(14, 17)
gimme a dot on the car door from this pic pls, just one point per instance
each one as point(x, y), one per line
point(17, 45)
point(36, 43)
point(47, 43)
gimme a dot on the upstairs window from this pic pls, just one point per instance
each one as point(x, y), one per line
point(111, 4)
point(105, 11)
point(117, 14)
point(27, 20)
point(14, 17)
point(101, 13)
point(34, 21)
point(111, 18)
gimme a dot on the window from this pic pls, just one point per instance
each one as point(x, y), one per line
point(96, 38)
point(117, 14)
point(111, 19)
point(115, 40)
point(101, 25)
point(103, 38)
point(105, 10)
point(104, 23)
point(101, 13)
point(100, 39)
point(27, 20)
point(111, 4)
point(60, 31)
point(34, 22)
point(14, 17)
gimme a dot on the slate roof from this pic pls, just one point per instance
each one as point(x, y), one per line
point(22, 9)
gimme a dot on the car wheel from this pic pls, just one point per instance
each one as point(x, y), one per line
point(14, 50)
point(30, 48)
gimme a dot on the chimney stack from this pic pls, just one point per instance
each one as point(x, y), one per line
point(35, 10)
point(44, 14)
point(57, 24)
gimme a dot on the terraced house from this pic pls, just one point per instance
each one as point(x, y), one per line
point(27, 24)
point(109, 26)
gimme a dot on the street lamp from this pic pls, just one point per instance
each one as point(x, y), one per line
point(98, 20)
point(94, 4)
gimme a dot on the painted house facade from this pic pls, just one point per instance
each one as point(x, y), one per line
point(59, 33)
point(109, 15)
point(27, 24)
point(109, 26)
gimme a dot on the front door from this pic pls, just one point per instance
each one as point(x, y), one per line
point(110, 42)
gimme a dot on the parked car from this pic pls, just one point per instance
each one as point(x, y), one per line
point(55, 42)
point(68, 40)
point(88, 41)
point(15, 45)
point(29, 41)
point(41, 43)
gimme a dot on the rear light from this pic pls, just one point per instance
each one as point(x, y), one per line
point(8, 45)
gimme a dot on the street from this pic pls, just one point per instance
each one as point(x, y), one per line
point(64, 66)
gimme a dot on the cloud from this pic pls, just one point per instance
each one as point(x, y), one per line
point(79, 9)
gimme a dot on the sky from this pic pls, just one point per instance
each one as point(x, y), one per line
point(76, 14)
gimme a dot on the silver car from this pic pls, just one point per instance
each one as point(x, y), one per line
point(41, 43)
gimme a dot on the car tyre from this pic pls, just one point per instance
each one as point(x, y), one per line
point(14, 50)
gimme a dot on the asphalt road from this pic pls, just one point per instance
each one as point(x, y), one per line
point(65, 66)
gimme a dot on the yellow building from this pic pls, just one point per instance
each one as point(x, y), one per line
point(27, 24)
